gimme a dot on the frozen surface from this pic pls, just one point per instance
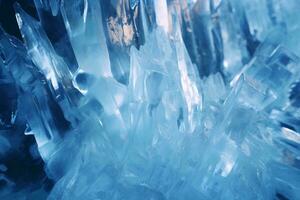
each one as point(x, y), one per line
point(160, 100)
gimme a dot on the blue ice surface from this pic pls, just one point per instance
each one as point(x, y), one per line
point(130, 99)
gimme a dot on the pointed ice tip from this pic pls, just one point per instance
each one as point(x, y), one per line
point(55, 5)
point(19, 14)
point(22, 17)
point(18, 8)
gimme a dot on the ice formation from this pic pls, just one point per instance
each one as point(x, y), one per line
point(155, 99)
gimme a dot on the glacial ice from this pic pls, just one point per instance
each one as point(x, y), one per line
point(142, 99)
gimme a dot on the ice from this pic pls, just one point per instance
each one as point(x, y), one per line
point(83, 22)
point(154, 99)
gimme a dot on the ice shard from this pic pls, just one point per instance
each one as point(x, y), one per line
point(151, 99)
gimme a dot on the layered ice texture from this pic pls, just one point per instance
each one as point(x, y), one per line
point(154, 99)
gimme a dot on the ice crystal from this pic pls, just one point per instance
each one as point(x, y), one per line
point(154, 99)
